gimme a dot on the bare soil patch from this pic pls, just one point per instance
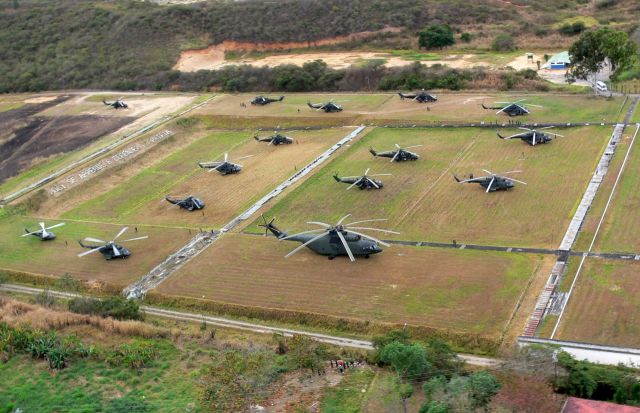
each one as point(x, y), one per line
point(43, 137)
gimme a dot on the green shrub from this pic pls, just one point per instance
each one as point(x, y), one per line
point(117, 307)
point(135, 355)
point(503, 42)
point(436, 36)
point(466, 37)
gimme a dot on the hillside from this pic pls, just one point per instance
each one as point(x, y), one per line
point(127, 44)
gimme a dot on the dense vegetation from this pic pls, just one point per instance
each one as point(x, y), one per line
point(127, 44)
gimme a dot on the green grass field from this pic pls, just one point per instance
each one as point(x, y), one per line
point(604, 307)
point(456, 290)
point(466, 107)
point(423, 202)
point(128, 198)
point(619, 230)
point(167, 385)
point(58, 257)
point(141, 198)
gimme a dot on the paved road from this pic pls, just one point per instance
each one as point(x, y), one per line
point(242, 325)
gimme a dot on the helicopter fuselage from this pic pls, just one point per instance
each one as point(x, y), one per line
point(402, 156)
point(365, 183)
point(43, 235)
point(333, 247)
point(499, 184)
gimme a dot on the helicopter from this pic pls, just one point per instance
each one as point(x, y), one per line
point(333, 240)
point(327, 107)
point(263, 100)
point(421, 97)
point(117, 104)
point(399, 155)
point(109, 249)
point(532, 136)
point(492, 182)
point(363, 182)
point(276, 139)
point(190, 203)
point(224, 167)
point(516, 108)
point(43, 233)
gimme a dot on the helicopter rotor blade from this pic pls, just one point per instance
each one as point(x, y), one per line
point(511, 172)
point(517, 135)
point(89, 239)
point(546, 127)
point(244, 157)
point(536, 106)
point(82, 254)
point(298, 248)
point(355, 183)
point(369, 237)
point(346, 246)
point(135, 239)
point(342, 219)
point(374, 229)
point(322, 224)
point(365, 220)
point(367, 171)
point(413, 146)
point(226, 156)
point(490, 184)
point(555, 134)
point(122, 231)
point(31, 233)
point(498, 112)
point(374, 183)
point(303, 232)
point(515, 180)
point(41, 225)
point(381, 175)
point(115, 250)
point(56, 225)
point(533, 140)
point(395, 155)
point(489, 172)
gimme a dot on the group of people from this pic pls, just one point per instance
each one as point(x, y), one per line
point(341, 365)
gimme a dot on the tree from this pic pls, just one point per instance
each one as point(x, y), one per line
point(590, 52)
point(406, 391)
point(409, 360)
point(503, 43)
point(483, 386)
point(436, 36)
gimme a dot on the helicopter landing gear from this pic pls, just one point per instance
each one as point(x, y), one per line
point(331, 257)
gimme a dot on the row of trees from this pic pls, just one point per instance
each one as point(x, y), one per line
point(447, 386)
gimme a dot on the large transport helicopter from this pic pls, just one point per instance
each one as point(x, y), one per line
point(116, 104)
point(263, 100)
point(334, 240)
point(516, 108)
point(533, 136)
point(275, 139)
point(225, 167)
point(43, 233)
point(328, 107)
point(399, 155)
point(108, 249)
point(362, 182)
point(190, 203)
point(492, 182)
point(420, 97)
